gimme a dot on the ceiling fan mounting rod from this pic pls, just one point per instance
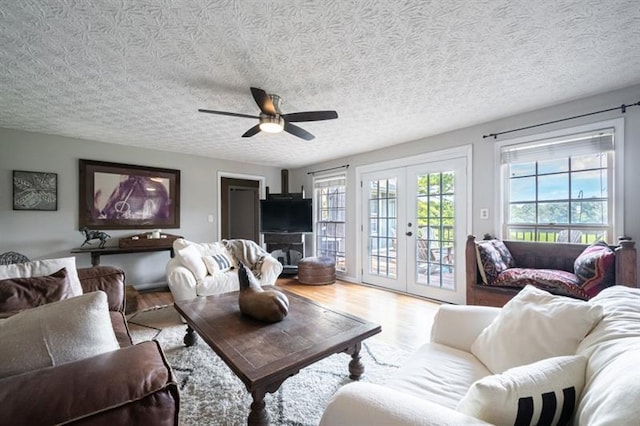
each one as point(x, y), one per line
point(277, 101)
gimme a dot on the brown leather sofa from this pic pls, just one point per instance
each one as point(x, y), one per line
point(132, 385)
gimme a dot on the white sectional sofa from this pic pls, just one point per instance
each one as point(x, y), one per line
point(204, 269)
point(445, 383)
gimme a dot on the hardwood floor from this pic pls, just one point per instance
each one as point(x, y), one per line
point(405, 320)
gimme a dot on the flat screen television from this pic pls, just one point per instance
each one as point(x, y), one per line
point(286, 215)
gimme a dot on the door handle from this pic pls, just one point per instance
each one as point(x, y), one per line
point(408, 234)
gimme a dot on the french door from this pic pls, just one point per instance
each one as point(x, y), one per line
point(414, 229)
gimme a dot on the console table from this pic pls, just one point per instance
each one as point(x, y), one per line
point(97, 252)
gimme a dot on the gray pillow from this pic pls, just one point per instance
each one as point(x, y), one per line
point(56, 333)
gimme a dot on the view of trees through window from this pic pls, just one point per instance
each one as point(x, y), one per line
point(561, 199)
point(435, 201)
point(435, 217)
point(433, 227)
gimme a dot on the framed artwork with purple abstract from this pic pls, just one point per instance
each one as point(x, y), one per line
point(126, 196)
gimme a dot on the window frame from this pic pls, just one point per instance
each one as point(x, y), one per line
point(317, 206)
point(616, 161)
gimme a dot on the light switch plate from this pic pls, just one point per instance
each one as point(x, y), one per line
point(484, 213)
point(210, 218)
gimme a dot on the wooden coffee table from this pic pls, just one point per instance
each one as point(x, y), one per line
point(264, 355)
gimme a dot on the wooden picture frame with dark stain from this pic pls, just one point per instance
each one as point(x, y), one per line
point(126, 196)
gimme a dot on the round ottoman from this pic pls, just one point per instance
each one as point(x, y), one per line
point(317, 270)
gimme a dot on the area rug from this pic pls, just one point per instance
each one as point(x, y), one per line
point(210, 394)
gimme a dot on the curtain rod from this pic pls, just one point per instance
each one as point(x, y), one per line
point(622, 108)
point(345, 166)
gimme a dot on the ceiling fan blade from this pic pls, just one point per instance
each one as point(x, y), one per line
point(264, 101)
point(297, 131)
point(232, 114)
point(252, 131)
point(310, 116)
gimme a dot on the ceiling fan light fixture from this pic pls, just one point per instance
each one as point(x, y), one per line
point(271, 123)
point(272, 120)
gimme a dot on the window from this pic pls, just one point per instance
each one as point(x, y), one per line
point(560, 189)
point(330, 201)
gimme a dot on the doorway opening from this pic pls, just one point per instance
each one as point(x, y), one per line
point(239, 208)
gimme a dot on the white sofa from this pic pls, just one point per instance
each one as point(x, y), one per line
point(190, 273)
point(428, 390)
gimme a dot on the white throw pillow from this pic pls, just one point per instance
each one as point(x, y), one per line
point(180, 243)
point(216, 263)
point(546, 392)
point(191, 257)
point(532, 326)
point(41, 268)
point(56, 333)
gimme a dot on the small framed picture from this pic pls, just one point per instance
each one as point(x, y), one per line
point(35, 190)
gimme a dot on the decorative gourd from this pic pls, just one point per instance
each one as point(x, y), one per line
point(263, 305)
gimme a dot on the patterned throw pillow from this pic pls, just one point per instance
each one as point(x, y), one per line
point(219, 262)
point(595, 268)
point(493, 258)
point(552, 280)
point(507, 258)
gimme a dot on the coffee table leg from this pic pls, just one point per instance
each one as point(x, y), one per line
point(258, 415)
point(356, 367)
point(191, 337)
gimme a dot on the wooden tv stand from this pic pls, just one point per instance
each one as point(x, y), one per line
point(285, 241)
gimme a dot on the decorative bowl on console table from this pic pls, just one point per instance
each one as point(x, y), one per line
point(143, 241)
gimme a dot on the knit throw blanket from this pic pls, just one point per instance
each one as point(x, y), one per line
point(247, 252)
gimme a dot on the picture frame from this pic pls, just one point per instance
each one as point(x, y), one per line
point(127, 196)
point(35, 190)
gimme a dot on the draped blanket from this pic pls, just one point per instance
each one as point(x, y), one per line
point(247, 252)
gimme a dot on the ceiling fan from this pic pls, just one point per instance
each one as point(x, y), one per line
point(272, 120)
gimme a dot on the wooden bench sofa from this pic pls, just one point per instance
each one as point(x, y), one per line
point(539, 255)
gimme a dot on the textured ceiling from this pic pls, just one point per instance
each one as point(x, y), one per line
point(135, 72)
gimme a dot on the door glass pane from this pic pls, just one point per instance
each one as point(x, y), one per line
point(448, 183)
point(434, 218)
point(382, 227)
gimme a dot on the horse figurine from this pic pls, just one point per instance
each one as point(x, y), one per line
point(94, 235)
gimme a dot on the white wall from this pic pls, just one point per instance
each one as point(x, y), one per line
point(46, 234)
point(484, 192)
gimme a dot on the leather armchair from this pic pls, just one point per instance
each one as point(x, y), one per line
point(131, 385)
